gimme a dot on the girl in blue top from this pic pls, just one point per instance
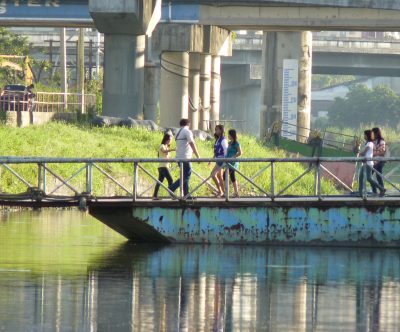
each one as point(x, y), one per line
point(234, 151)
point(220, 149)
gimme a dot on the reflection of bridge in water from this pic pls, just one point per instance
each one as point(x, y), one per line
point(283, 201)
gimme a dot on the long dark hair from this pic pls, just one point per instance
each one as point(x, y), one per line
point(368, 134)
point(232, 133)
point(165, 139)
point(378, 134)
point(222, 129)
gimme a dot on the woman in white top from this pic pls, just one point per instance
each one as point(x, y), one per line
point(163, 167)
point(367, 166)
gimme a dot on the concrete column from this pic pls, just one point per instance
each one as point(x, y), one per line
point(305, 78)
point(276, 47)
point(123, 75)
point(194, 89)
point(215, 87)
point(151, 91)
point(205, 90)
point(174, 94)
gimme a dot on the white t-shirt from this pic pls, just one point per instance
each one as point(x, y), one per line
point(183, 138)
point(369, 153)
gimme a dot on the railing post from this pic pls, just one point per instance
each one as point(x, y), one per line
point(135, 180)
point(364, 187)
point(44, 178)
point(318, 184)
point(272, 181)
point(227, 171)
point(181, 179)
point(89, 178)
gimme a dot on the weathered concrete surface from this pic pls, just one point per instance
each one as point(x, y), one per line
point(299, 17)
point(124, 16)
point(378, 4)
point(191, 38)
point(24, 119)
point(289, 223)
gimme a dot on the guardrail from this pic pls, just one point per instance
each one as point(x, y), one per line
point(46, 101)
point(259, 182)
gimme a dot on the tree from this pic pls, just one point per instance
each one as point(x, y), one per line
point(362, 105)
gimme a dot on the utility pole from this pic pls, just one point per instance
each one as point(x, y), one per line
point(63, 67)
point(81, 69)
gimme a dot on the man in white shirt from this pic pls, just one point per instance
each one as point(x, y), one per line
point(185, 146)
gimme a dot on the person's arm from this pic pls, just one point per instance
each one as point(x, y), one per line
point(225, 146)
point(362, 153)
point(239, 152)
point(194, 148)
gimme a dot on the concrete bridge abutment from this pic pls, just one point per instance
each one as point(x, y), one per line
point(278, 46)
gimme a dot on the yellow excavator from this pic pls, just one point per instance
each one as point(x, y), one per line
point(14, 62)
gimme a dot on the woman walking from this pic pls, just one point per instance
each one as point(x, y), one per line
point(234, 151)
point(367, 166)
point(379, 151)
point(220, 150)
point(163, 167)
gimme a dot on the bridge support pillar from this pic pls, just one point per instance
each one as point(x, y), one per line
point(205, 90)
point(278, 46)
point(215, 88)
point(151, 91)
point(174, 96)
point(124, 24)
point(194, 89)
point(123, 75)
point(186, 58)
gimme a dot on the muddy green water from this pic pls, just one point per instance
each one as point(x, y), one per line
point(65, 271)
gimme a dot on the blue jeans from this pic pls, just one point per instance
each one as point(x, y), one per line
point(379, 168)
point(187, 172)
point(361, 180)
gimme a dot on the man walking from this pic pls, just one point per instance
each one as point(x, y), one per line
point(185, 146)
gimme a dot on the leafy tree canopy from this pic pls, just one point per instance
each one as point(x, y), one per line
point(380, 106)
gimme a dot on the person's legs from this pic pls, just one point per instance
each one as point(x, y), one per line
point(361, 180)
point(216, 179)
point(220, 177)
point(372, 182)
point(187, 172)
point(168, 177)
point(234, 182)
point(176, 184)
point(161, 176)
point(379, 169)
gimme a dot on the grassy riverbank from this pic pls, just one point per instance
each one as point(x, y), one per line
point(68, 140)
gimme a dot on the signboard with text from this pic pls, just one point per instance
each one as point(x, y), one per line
point(290, 83)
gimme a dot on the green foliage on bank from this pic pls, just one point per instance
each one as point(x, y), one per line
point(363, 105)
point(68, 140)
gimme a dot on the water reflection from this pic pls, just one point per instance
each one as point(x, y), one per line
point(206, 288)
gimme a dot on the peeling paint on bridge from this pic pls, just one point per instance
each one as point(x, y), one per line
point(289, 223)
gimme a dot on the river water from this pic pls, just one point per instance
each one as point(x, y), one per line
point(65, 271)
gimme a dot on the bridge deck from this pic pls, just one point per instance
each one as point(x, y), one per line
point(293, 201)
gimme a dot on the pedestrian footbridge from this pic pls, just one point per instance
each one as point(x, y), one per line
point(296, 201)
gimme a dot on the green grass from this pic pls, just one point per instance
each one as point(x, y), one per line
point(69, 140)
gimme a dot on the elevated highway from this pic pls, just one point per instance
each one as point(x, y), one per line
point(337, 56)
point(232, 14)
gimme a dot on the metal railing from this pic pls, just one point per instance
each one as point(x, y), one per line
point(45, 101)
point(266, 179)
